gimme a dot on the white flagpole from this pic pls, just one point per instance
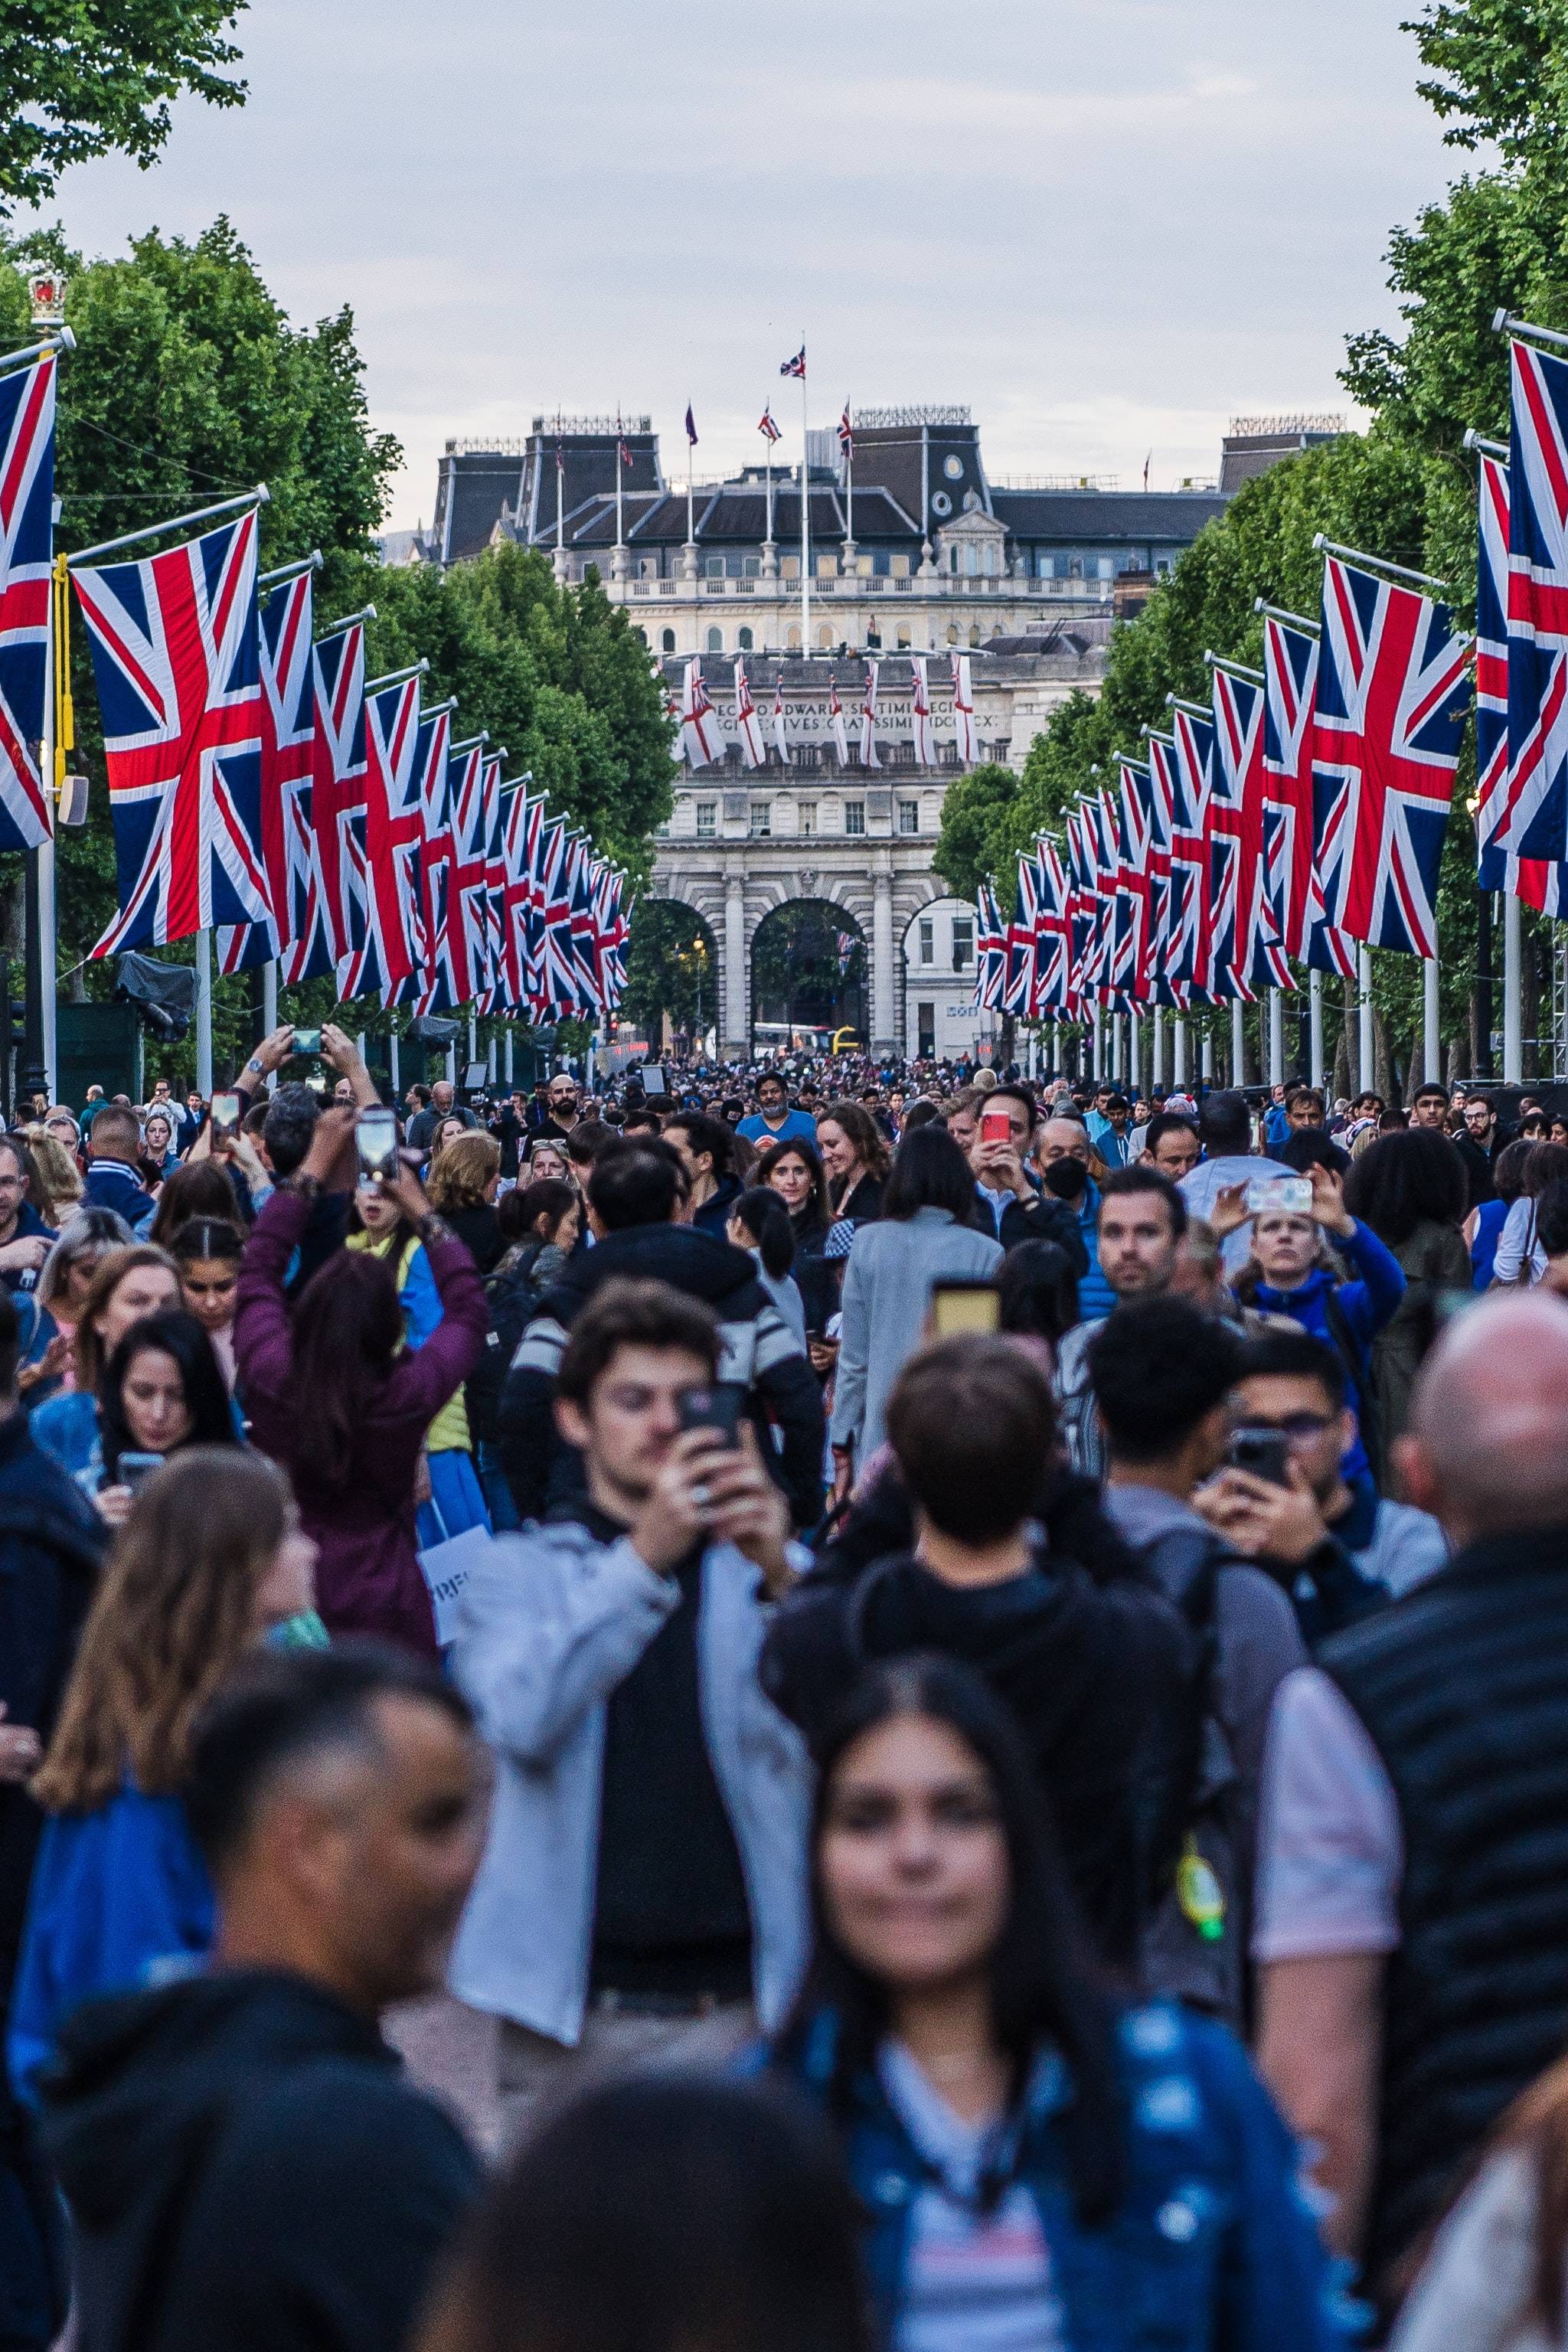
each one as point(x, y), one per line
point(1512, 992)
point(1431, 1044)
point(620, 469)
point(393, 1063)
point(1237, 1043)
point(1276, 1036)
point(1179, 1053)
point(1157, 1070)
point(269, 998)
point(1315, 1028)
point(805, 524)
point(560, 491)
point(205, 1014)
point(44, 856)
point(1363, 1040)
point(849, 479)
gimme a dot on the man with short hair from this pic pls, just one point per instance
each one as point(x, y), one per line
point(245, 2163)
point(1429, 1105)
point(773, 1121)
point(636, 1199)
point(113, 1142)
point(1161, 1373)
point(444, 1104)
point(1008, 1204)
point(1095, 1673)
point(1142, 1219)
point(1332, 1541)
point(643, 1889)
point(1111, 1139)
point(705, 1146)
point(1304, 1107)
point(1171, 1144)
point(1413, 1886)
point(25, 1239)
point(1478, 1147)
point(1230, 1157)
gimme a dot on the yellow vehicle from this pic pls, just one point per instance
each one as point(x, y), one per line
point(846, 1040)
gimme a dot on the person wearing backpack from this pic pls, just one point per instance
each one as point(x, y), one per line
point(539, 1223)
point(1162, 1374)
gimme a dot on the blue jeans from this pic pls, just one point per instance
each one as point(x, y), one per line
point(503, 1510)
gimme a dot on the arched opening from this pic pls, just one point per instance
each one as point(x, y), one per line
point(974, 633)
point(671, 997)
point(825, 638)
point(667, 641)
point(744, 642)
point(809, 971)
point(715, 641)
point(792, 640)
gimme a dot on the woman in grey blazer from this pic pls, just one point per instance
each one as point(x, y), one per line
point(923, 1236)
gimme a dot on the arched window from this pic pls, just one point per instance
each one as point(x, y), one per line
point(791, 641)
point(971, 560)
point(715, 641)
point(974, 633)
point(824, 637)
point(667, 641)
point(952, 633)
point(903, 636)
point(744, 642)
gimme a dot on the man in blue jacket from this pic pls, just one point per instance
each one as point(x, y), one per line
point(112, 1182)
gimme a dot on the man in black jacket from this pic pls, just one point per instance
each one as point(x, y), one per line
point(637, 1194)
point(51, 1541)
point(1097, 1673)
point(1007, 1202)
point(245, 2165)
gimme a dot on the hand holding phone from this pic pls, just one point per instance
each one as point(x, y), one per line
point(375, 1140)
point(307, 1041)
point(135, 1467)
point(1287, 1196)
point(995, 1127)
point(716, 1409)
point(1262, 1454)
point(226, 1113)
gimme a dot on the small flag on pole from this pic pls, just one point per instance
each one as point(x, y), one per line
point(767, 428)
point(691, 426)
point(1147, 463)
point(781, 741)
point(796, 366)
point(835, 720)
point(846, 434)
point(623, 449)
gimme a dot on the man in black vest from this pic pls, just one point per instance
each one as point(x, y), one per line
point(1412, 1922)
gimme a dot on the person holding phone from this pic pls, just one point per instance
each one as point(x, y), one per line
point(1008, 1202)
point(642, 1895)
point(162, 1389)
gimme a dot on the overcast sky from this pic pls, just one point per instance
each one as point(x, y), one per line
point(1106, 225)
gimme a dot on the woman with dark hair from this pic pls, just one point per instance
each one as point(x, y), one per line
point(1038, 1295)
point(538, 1224)
point(1519, 1257)
point(922, 1237)
point(1037, 2169)
point(162, 1389)
point(125, 1285)
point(198, 1188)
point(1411, 1189)
point(207, 1252)
point(854, 1156)
point(1483, 1226)
point(760, 1223)
point(674, 2215)
point(794, 1171)
point(335, 1395)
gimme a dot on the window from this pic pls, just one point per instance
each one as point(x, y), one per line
point(927, 940)
point(713, 565)
point(828, 567)
point(792, 640)
point(667, 641)
point(761, 820)
point(715, 641)
point(751, 567)
point(707, 820)
point(903, 636)
point(854, 816)
point(973, 633)
point(647, 567)
point(971, 560)
point(642, 636)
point(789, 567)
point(963, 942)
point(808, 818)
point(901, 567)
point(744, 641)
point(925, 1028)
point(1107, 567)
point(951, 633)
point(1044, 566)
point(909, 816)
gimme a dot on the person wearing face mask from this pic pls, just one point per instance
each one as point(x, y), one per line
point(208, 1561)
point(1067, 1161)
point(1039, 2164)
point(126, 1285)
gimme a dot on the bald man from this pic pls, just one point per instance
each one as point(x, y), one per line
point(1410, 1927)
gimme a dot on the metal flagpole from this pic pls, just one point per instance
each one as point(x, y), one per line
point(205, 1014)
point(393, 1063)
point(1431, 1045)
point(1512, 994)
point(507, 1062)
point(1099, 1043)
point(269, 997)
point(1157, 1074)
point(620, 469)
point(1315, 1027)
point(259, 496)
point(805, 521)
point(850, 478)
point(1364, 1037)
point(1276, 1036)
point(1179, 1052)
point(1237, 1043)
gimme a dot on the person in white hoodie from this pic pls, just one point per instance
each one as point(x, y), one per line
point(643, 1894)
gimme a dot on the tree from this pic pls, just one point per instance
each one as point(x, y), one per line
point(972, 815)
point(83, 77)
point(672, 967)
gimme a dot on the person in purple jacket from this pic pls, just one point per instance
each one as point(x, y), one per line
point(335, 1396)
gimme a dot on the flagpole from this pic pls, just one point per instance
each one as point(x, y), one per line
point(1179, 1053)
point(1364, 1037)
point(1431, 1045)
point(1512, 992)
point(259, 496)
point(1237, 1043)
point(620, 444)
point(1315, 1028)
point(269, 997)
point(805, 518)
point(205, 1014)
point(41, 911)
point(1276, 1036)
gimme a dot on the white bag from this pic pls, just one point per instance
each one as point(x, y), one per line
point(447, 1566)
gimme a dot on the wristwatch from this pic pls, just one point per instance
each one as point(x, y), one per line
point(257, 1066)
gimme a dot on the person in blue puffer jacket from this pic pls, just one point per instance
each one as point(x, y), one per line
point(1037, 2166)
point(1067, 1157)
point(1289, 1273)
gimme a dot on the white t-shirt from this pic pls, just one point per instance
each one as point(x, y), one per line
point(975, 2282)
point(1330, 1849)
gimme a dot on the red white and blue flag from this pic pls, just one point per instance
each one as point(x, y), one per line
point(767, 428)
point(1248, 951)
point(1051, 976)
point(176, 654)
point(990, 950)
point(1130, 932)
point(1536, 822)
point(1190, 877)
point(434, 991)
point(393, 953)
point(338, 786)
point(287, 714)
point(1392, 693)
point(1164, 989)
point(27, 541)
point(1018, 977)
point(796, 366)
point(1294, 887)
point(465, 933)
point(846, 433)
point(1538, 881)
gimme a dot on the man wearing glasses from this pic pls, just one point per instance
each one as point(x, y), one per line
point(1337, 1546)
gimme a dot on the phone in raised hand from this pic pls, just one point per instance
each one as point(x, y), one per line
point(376, 1139)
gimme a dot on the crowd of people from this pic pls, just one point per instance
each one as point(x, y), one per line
point(965, 1666)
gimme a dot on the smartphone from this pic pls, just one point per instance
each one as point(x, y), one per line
point(225, 1114)
point(995, 1127)
point(714, 1408)
point(961, 1306)
point(135, 1467)
point(307, 1041)
point(375, 1133)
point(1285, 1195)
point(1263, 1453)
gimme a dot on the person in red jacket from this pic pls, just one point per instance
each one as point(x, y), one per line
point(333, 1394)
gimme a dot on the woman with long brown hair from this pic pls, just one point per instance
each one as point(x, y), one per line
point(210, 1559)
point(854, 1156)
point(126, 1285)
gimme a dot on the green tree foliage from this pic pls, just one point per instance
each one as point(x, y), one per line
point(672, 967)
point(81, 78)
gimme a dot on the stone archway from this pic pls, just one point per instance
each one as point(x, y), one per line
point(810, 970)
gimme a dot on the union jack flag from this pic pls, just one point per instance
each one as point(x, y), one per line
point(558, 984)
point(1130, 932)
point(494, 909)
point(1539, 882)
point(1393, 692)
point(287, 718)
point(845, 430)
point(338, 786)
point(1050, 991)
point(174, 652)
point(1105, 829)
point(434, 991)
point(464, 931)
point(1019, 976)
point(1248, 953)
point(796, 366)
point(990, 950)
point(622, 447)
point(1163, 990)
point(393, 941)
point(1296, 894)
point(1536, 822)
point(26, 542)
point(1192, 774)
point(767, 428)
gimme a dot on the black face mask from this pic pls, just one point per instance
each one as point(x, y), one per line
point(1067, 1178)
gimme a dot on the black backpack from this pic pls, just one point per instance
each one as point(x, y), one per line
point(512, 1297)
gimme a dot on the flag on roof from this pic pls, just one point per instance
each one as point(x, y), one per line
point(750, 733)
point(846, 434)
point(767, 428)
point(796, 366)
point(691, 426)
